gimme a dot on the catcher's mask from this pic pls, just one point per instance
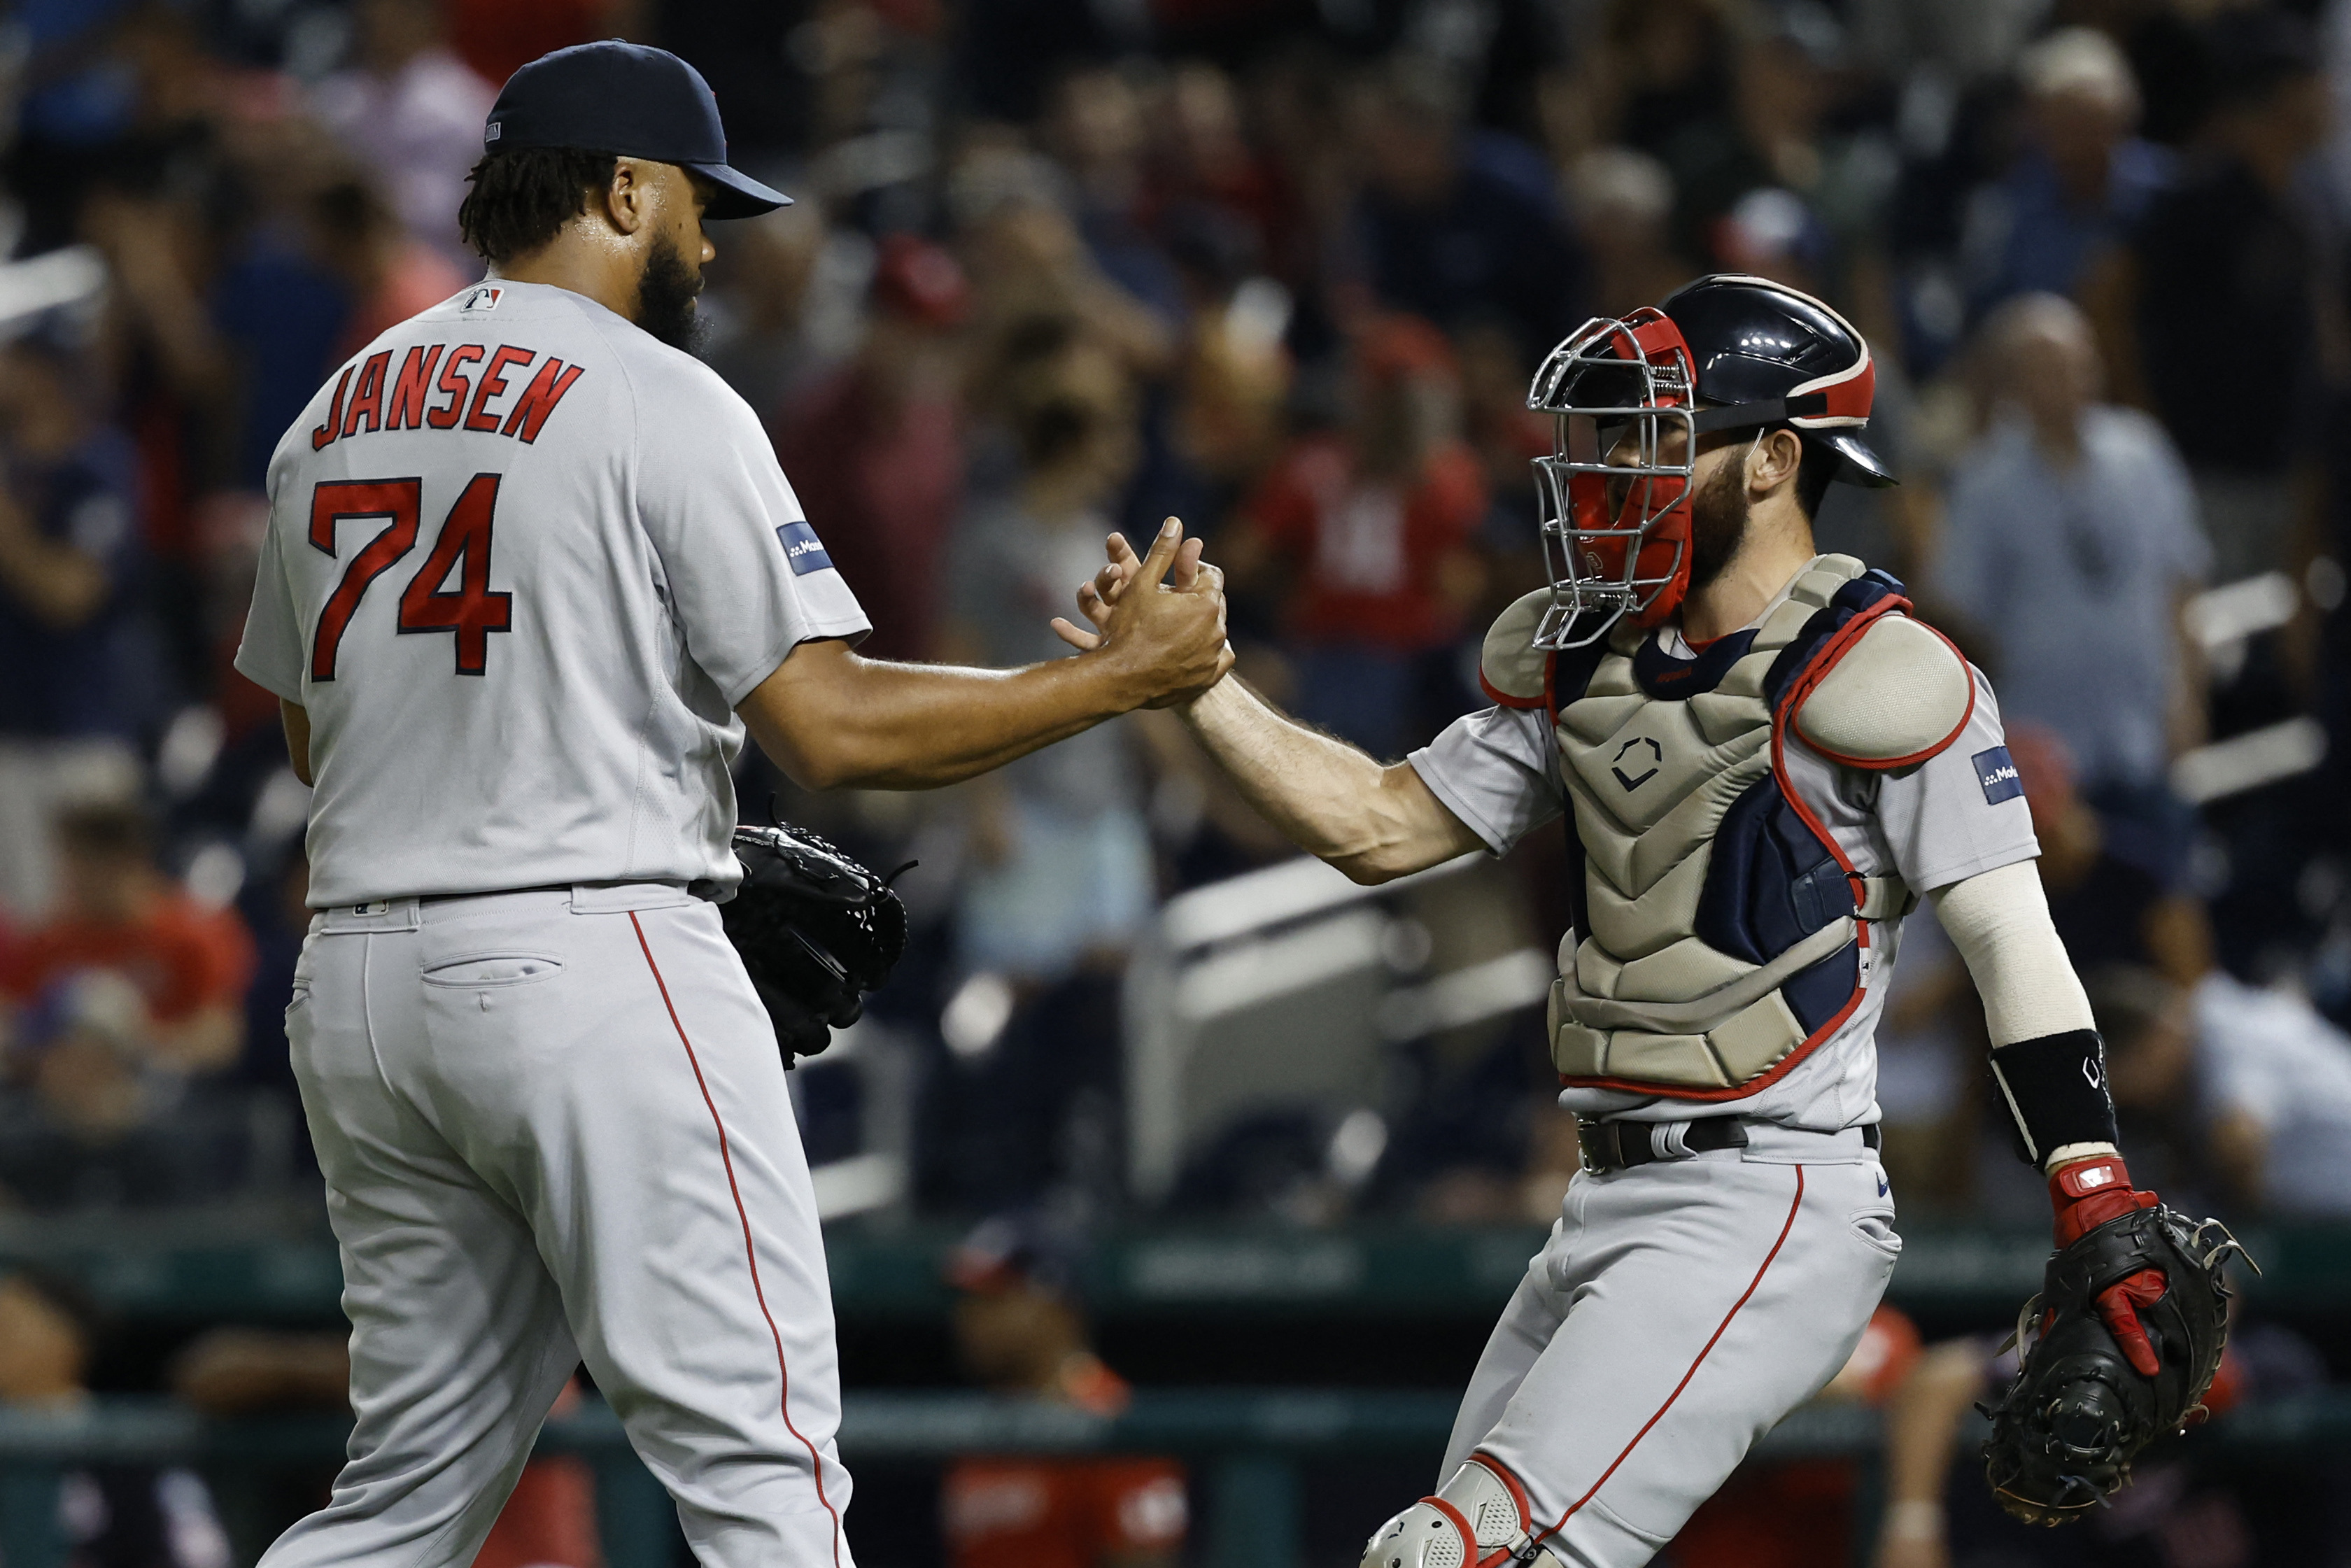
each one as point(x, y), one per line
point(1726, 352)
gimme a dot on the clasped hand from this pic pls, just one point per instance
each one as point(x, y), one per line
point(1177, 633)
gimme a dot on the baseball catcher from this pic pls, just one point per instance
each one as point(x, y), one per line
point(1766, 762)
point(815, 930)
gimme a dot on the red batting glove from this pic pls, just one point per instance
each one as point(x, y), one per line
point(2086, 1195)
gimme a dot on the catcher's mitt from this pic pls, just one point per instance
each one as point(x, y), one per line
point(815, 930)
point(2064, 1433)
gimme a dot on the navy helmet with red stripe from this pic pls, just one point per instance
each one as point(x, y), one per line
point(1767, 354)
point(1726, 352)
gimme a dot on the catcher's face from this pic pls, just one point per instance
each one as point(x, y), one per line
point(1623, 449)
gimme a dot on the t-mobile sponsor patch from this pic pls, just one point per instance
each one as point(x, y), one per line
point(805, 553)
point(1997, 774)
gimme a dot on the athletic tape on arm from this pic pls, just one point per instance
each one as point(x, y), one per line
point(2000, 923)
point(2046, 1056)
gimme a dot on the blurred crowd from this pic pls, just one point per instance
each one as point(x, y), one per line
point(1281, 268)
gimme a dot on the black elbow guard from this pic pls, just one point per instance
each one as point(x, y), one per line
point(2055, 1091)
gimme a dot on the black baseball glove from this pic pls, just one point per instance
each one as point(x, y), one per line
point(817, 931)
point(2063, 1434)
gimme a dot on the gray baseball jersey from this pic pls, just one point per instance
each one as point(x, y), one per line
point(523, 560)
point(1958, 814)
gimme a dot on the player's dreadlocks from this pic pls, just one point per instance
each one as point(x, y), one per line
point(521, 199)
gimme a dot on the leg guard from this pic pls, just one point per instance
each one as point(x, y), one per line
point(1477, 1520)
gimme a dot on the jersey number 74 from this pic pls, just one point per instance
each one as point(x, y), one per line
point(473, 612)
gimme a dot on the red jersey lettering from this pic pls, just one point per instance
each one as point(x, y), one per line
point(454, 384)
point(367, 397)
point(539, 398)
point(494, 385)
point(395, 500)
point(326, 431)
point(413, 385)
point(473, 612)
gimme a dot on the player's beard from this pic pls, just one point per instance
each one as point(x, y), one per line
point(666, 294)
point(1717, 522)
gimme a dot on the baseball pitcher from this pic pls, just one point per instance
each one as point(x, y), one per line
point(1766, 763)
point(531, 571)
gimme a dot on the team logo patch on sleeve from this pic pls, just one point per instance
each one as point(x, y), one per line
point(1997, 773)
point(804, 552)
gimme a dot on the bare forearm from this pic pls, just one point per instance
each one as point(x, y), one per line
point(1922, 1428)
point(879, 725)
point(1372, 821)
point(207, 1041)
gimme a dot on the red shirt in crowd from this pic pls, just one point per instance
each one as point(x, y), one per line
point(180, 955)
point(1368, 553)
point(883, 479)
point(1061, 1513)
point(1005, 1512)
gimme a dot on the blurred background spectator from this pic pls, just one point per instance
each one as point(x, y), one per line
point(110, 1513)
point(2070, 544)
point(1020, 1332)
point(81, 681)
point(411, 112)
point(1365, 532)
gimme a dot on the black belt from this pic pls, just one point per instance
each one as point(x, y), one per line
point(1615, 1145)
point(500, 892)
point(554, 887)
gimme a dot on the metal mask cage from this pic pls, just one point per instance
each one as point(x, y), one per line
point(1607, 389)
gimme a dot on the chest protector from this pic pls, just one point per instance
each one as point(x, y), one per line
point(1720, 930)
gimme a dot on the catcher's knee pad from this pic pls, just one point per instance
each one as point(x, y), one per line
point(1478, 1519)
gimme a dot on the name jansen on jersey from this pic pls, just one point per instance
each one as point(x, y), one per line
point(363, 403)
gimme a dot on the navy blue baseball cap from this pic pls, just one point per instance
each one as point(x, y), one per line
point(631, 100)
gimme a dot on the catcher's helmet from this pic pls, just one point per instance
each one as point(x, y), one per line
point(1726, 352)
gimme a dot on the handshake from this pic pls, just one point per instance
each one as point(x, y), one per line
point(1159, 617)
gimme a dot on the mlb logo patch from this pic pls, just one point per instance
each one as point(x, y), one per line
point(485, 296)
point(1997, 773)
point(803, 551)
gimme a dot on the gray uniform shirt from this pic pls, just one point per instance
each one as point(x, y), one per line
point(1958, 814)
point(523, 560)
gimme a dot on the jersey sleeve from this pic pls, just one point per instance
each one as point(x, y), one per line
point(748, 577)
point(270, 655)
point(1496, 770)
point(1960, 813)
